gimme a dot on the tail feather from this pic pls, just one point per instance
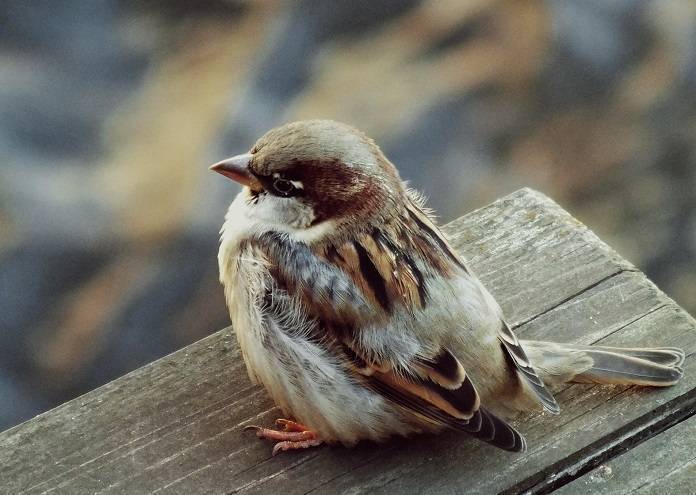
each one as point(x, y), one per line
point(667, 356)
point(616, 367)
point(560, 363)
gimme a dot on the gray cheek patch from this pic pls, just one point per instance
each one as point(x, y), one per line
point(283, 212)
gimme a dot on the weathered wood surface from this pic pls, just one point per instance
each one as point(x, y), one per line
point(664, 464)
point(175, 426)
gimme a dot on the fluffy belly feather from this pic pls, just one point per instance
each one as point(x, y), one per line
point(303, 379)
point(311, 387)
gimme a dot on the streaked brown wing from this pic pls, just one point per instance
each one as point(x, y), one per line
point(438, 390)
point(364, 279)
point(524, 368)
point(506, 336)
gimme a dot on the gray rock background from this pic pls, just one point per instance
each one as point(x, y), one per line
point(111, 110)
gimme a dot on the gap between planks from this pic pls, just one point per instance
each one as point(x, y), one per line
point(665, 417)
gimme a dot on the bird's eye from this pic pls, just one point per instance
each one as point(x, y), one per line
point(284, 187)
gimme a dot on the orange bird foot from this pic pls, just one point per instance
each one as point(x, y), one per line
point(293, 436)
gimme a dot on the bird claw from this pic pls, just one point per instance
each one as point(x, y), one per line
point(293, 436)
point(304, 444)
point(257, 429)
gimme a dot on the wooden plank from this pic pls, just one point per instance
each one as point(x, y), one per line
point(176, 425)
point(664, 464)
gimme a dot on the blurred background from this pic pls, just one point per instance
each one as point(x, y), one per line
point(111, 110)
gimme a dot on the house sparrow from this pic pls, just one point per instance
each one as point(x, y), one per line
point(358, 317)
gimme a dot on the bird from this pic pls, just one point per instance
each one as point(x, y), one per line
point(362, 322)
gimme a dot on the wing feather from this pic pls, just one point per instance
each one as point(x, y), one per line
point(506, 336)
point(526, 372)
point(429, 391)
point(482, 424)
point(336, 288)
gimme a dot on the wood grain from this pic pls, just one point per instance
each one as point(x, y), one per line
point(664, 464)
point(175, 426)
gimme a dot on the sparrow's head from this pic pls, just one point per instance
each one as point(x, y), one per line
point(308, 172)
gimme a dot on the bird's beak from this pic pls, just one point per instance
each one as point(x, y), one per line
point(237, 169)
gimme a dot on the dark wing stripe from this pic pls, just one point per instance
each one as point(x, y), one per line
point(487, 430)
point(422, 290)
point(415, 404)
point(455, 408)
point(402, 257)
point(355, 360)
point(483, 425)
point(497, 432)
point(435, 236)
point(475, 423)
point(506, 437)
point(334, 255)
point(517, 355)
point(463, 399)
point(446, 365)
point(372, 277)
